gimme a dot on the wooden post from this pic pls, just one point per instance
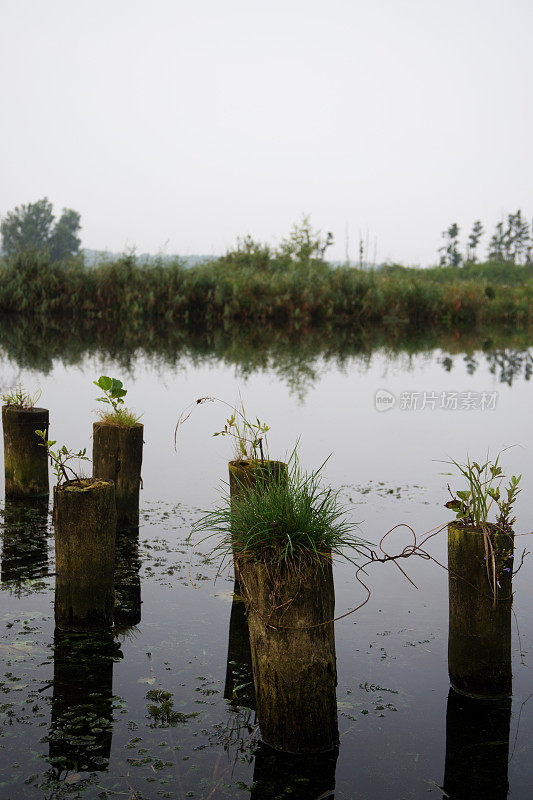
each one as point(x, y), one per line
point(477, 748)
point(479, 643)
point(244, 475)
point(300, 777)
point(117, 457)
point(239, 684)
point(127, 579)
point(294, 667)
point(85, 523)
point(24, 540)
point(25, 461)
point(81, 726)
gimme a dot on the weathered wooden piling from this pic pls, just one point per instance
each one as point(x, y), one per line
point(85, 523)
point(25, 460)
point(81, 726)
point(300, 777)
point(292, 639)
point(127, 579)
point(477, 748)
point(117, 457)
point(239, 684)
point(246, 475)
point(479, 643)
point(24, 539)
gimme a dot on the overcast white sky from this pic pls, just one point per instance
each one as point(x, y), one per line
point(177, 126)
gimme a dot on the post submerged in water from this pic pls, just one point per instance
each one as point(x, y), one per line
point(85, 524)
point(25, 460)
point(117, 457)
point(480, 603)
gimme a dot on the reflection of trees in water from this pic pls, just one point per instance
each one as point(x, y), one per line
point(509, 364)
point(506, 364)
point(297, 357)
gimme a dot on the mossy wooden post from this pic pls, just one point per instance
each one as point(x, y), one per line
point(295, 671)
point(25, 461)
point(127, 579)
point(81, 725)
point(299, 777)
point(477, 748)
point(85, 522)
point(117, 457)
point(239, 684)
point(479, 643)
point(244, 475)
point(24, 540)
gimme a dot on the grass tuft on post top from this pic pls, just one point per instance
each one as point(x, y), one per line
point(287, 521)
point(18, 397)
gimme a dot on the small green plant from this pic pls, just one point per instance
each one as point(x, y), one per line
point(472, 505)
point(114, 394)
point(61, 457)
point(249, 438)
point(286, 520)
point(18, 398)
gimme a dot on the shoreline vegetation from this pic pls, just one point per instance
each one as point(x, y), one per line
point(252, 286)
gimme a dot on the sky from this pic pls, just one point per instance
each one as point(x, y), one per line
point(176, 127)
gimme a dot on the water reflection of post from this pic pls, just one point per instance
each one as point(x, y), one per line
point(300, 777)
point(477, 748)
point(24, 544)
point(127, 579)
point(81, 726)
point(239, 685)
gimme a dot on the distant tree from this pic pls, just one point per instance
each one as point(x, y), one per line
point(450, 255)
point(304, 243)
point(63, 241)
point(27, 227)
point(31, 227)
point(498, 245)
point(473, 241)
point(518, 237)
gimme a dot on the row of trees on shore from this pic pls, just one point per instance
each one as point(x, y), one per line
point(34, 228)
point(511, 243)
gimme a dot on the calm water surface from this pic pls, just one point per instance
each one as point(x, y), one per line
point(142, 713)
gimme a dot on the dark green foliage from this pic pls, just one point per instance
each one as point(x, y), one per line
point(64, 241)
point(30, 229)
point(450, 256)
point(27, 227)
point(251, 287)
point(473, 241)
